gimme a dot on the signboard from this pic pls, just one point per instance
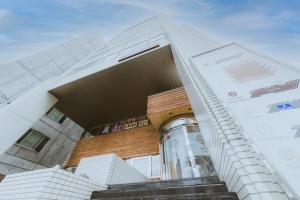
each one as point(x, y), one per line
point(264, 98)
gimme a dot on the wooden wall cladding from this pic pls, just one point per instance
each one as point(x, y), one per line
point(163, 106)
point(136, 142)
point(2, 177)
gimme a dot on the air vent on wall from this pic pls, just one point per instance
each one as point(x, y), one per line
point(137, 53)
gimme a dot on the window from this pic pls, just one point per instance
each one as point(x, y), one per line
point(56, 115)
point(147, 165)
point(143, 165)
point(155, 166)
point(33, 140)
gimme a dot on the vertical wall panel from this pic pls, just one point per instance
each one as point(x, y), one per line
point(235, 160)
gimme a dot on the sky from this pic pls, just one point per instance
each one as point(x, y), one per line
point(270, 27)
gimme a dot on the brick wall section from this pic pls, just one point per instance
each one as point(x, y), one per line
point(126, 144)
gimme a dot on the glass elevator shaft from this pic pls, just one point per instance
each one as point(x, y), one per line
point(183, 151)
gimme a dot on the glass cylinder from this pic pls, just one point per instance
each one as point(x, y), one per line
point(183, 151)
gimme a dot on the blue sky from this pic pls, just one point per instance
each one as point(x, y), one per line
point(271, 27)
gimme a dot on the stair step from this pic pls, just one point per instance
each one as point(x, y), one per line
point(209, 188)
point(161, 185)
point(166, 183)
point(201, 196)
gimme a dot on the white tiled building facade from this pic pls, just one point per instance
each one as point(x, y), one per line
point(231, 120)
point(51, 183)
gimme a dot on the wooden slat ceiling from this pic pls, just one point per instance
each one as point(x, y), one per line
point(120, 91)
point(163, 106)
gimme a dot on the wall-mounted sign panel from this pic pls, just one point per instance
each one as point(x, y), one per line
point(264, 99)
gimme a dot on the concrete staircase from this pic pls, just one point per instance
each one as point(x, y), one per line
point(208, 188)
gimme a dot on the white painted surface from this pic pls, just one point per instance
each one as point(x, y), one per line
point(236, 161)
point(108, 169)
point(271, 128)
point(97, 168)
point(52, 183)
point(26, 82)
point(124, 173)
point(147, 165)
point(238, 164)
point(20, 115)
point(20, 76)
point(132, 40)
point(142, 164)
point(24, 85)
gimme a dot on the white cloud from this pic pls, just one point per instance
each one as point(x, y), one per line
point(59, 34)
point(4, 14)
point(158, 7)
point(7, 18)
point(165, 7)
point(5, 39)
point(255, 20)
point(252, 27)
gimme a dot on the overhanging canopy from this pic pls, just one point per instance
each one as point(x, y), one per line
point(120, 91)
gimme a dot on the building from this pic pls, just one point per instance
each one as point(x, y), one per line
point(158, 101)
point(59, 133)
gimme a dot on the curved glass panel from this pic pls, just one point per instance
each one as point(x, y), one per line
point(183, 151)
